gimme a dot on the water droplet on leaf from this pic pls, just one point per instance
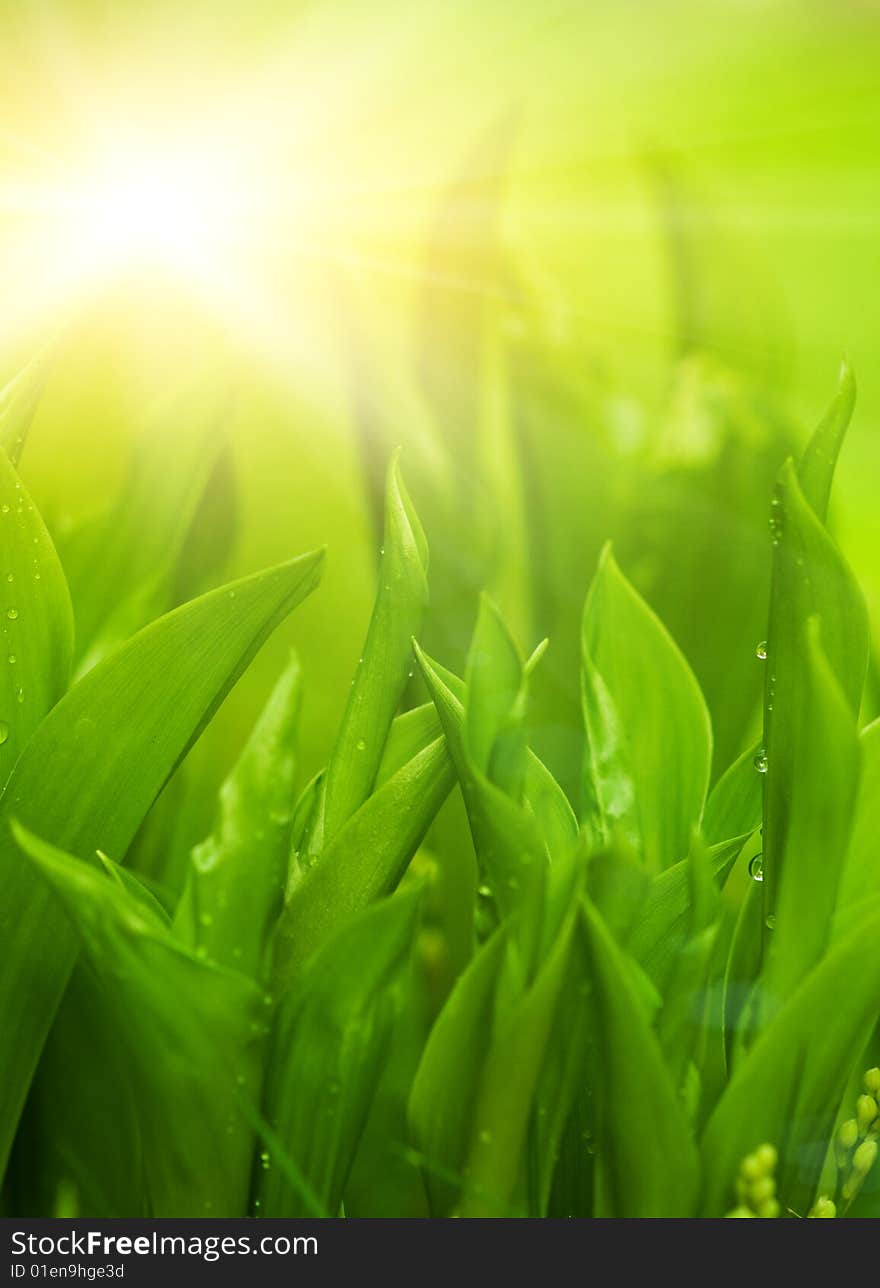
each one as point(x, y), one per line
point(756, 867)
point(761, 651)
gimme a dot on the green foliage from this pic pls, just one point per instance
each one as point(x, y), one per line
point(624, 987)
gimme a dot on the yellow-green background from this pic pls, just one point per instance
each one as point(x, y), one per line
point(765, 115)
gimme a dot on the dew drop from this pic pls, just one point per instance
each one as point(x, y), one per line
point(760, 761)
point(770, 921)
point(361, 745)
point(10, 576)
point(4, 508)
point(756, 867)
point(11, 659)
point(205, 919)
point(484, 891)
point(265, 1161)
point(761, 651)
point(4, 731)
point(12, 613)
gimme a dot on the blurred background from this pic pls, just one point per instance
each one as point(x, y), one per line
point(593, 265)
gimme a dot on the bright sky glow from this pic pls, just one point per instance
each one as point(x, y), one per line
point(181, 215)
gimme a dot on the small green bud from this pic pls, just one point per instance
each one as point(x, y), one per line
point(871, 1080)
point(750, 1168)
point(823, 1207)
point(742, 1210)
point(848, 1133)
point(866, 1112)
point(864, 1157)
point(769, 1208)
point(762, 1190)
point(767, 1157)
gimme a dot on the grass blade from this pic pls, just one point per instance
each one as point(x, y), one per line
point(330, 1041)
point(384, 666)
point(649, 741)
point(191, 1031)
point(237, 876)
point(36, 620)
point(94, 766)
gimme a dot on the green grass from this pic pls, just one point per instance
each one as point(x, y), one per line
point(475, 966)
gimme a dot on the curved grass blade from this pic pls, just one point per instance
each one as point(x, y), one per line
point(787, 1089)
point(330, 1042)
point(647, 1158)
point(472, 1098)
point(735, 803)
point(36, 620)
point(192, 1033)
point(92, 769)
point(384, 667)
point(442, 1102)
point(816, 466)
point(365, 861)
point(810, 578)
point(409, 734)
point(663, 916)
point(237, 876)
point(517, 1055)
point(649, 740)
point(818, 781)
point(512, 837)
point(861, 872)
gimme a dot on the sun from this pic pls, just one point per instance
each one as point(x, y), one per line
point(174, 216)
point(184, 212)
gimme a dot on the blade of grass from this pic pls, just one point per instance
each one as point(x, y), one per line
point(330, 1041)
point(819, 782)
point(787, 1089)
point(647, 1157)
point(384, 666)
point(365, 861)
point(94, 766)
point(810, 578)
point(237, 876)
point(36, 620)
point(649, 740)
point(192, 1032)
